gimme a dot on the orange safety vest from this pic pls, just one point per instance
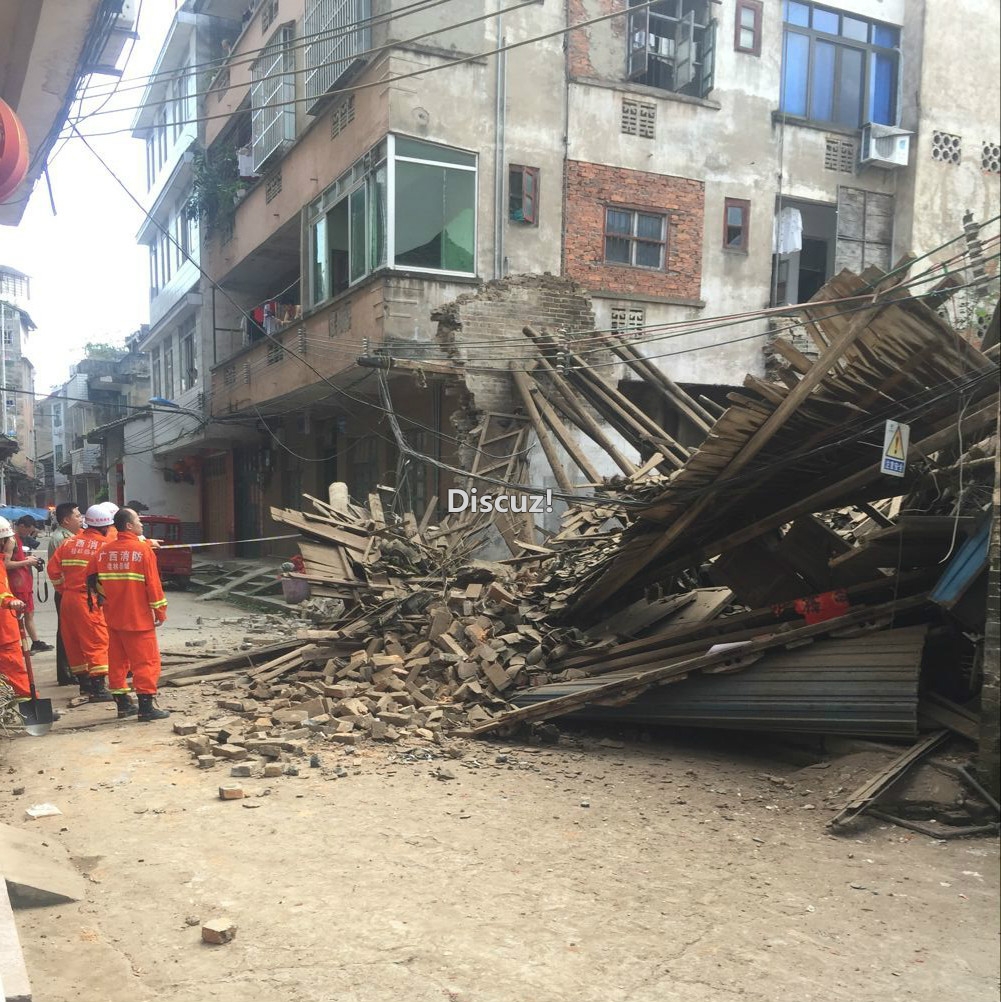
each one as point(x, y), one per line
point(10, 632)
point(68, 567)
point(129, 579)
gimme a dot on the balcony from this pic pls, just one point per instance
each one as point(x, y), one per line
point(86, 461)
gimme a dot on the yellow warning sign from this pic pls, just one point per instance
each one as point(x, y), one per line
point(896, 438)
point(895, 450)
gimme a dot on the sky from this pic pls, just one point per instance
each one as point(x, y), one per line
point(89, 278)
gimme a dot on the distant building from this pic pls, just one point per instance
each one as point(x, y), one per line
point(17, 389)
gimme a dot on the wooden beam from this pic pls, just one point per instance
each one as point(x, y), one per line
point(867, 794)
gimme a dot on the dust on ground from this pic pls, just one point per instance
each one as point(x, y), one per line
point(677, 869)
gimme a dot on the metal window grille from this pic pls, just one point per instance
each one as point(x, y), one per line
point(630, 117)
point(947, 148)
point(341, 32)
point(343, 116)
point(272, 185)
point(229, 375)
point(839, 155)
point(269, 12)
point(272, 97)
point(648, 121)
point(990, 158)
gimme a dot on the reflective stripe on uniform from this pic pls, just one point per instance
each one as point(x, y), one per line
point(124, 576)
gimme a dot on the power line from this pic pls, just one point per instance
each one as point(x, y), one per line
point(384, 81)
point(252, 55)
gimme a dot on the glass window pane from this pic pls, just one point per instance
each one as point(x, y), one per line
point(617, 250)
point(747, 17)
point(825, 20)
point(884, 84)
point(883, 34)
point(321, 267)
point(797, 13)
point(822, 94)
point(849, 109)
point(435, 217)
point(734, 215)
point(337, 242)
point(649, 227)
point(795, 60)
point(459, 237)
point(358, 241)
point(648, 255)
point(852, 27)
point(747, 38)
point(617, 221)
point(428, 151)
point(377, 218)
point(734, 236)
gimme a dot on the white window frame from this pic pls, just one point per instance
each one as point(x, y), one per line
point(272, 97)
point(357, 177)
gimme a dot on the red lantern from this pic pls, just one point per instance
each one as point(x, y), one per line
point(13, 150)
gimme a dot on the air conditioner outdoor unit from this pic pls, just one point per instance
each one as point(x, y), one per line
point(884, 146)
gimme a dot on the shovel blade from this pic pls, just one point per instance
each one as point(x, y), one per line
point(38, 716)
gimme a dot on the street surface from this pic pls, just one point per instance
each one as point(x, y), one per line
point(599, 870)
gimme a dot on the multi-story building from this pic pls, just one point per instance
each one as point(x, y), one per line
point(181, 341)
point(680, 160)
point(100, 391)
point(17, 388)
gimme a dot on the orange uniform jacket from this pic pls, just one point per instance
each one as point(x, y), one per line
point(10, 632)
point(68, 566)
point(129, 579)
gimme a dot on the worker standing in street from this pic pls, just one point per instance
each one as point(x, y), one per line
point(69, 522)
point(22, 582)
point(123, 575)
point(84, 631)
point(11, 652)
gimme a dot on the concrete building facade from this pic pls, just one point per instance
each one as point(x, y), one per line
point(17, 388)
point(679, 160)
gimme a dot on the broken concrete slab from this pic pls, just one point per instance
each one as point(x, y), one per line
point(37, 872)
point(218, 931)
point(14, 984)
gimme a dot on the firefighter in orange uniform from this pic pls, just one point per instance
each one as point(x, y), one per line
point(126, 580)
point(82, 625)
point(11, 650)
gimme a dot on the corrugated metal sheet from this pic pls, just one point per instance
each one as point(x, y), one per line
point(860, 685)
point(964, 568)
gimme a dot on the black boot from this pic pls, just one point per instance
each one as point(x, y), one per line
point(147, 711)
point(84, 682)
point(126, 708)
point(98, 690)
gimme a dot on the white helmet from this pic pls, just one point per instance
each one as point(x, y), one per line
point(110, 506)
point(97, 516)
point(6, 529)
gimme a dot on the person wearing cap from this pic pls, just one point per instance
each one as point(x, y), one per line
point(83, 628)
point(69, 522)
point(22, 581)
point(124, 576)
point(11, 652)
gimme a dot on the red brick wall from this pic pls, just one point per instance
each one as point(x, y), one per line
point(590, 187)
point(579, 42)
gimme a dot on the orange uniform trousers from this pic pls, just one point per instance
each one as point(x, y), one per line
point(85, 635)
point(12, 668)
point(136, 651)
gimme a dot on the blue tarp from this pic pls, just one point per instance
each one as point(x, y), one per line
point(12, 513)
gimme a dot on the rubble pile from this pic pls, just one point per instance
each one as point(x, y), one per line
point(777, 577)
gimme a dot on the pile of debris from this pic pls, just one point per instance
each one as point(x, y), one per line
point(778, 544)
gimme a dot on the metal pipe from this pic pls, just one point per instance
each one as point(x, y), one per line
point(500, 87)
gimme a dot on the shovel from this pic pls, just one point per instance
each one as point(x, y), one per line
point(37, 713)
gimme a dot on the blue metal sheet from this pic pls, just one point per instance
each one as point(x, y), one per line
point(964, 568)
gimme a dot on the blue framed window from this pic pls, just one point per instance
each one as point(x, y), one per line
point(838, 68)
